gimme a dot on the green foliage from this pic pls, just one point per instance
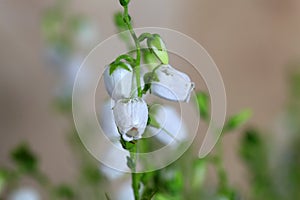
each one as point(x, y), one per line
point(64, 191)
point(24, 159)
point(203, 104)
point(237, 120)
point(91, 174)
point(254, 153)
point(199, 173)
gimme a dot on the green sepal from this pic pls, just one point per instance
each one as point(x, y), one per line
point(148, 79)
point(114, 66)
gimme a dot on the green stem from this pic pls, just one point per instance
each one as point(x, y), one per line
point(134, 175)
point(137, 69)
point(223, 179)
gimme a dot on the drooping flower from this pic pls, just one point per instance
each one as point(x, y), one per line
point(171, 84)
point(119, 83)
point(172, 129)
point(131, 116)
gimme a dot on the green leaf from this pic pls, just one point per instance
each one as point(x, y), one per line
point(148, 79)
point(4, 176)
point(237, 120)
point(64, 191)
point(24, 158)
point(119, 22)
point(91, 174)
point(158, 47)
point(203, 103)
point(200, 169)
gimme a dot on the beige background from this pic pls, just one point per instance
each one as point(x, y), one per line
point(251, 42)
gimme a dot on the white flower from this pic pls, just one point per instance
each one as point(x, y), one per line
point(25, 194)
point(172, 84)
point(172, 128)
point(131, 116)
point(119, 83)
point(119, 161)
point(125, 192)
point(107, 123)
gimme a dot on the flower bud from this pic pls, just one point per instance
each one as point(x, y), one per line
point(118, 84)
point(159, 48)
point(131, 116)
point(171, 84)
point(124, 2)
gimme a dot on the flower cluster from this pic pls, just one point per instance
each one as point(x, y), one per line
point(126, 88)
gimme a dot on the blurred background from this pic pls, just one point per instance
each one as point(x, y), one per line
point(255, 44)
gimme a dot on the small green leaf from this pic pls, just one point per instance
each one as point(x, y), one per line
point(25, 160)
point(158, 47)
point(119, 22)
point(203, 103)
point(237, 120)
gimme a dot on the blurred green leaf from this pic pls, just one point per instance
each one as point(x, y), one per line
point(63, 104)
point(64, 191)
point(199, 173)
point(237, 120)
point(91, 174)
point(24, 158)
point(203, 104)
point(119, 22)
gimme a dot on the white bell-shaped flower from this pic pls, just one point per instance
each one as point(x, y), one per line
point(172, 129)
point(172, 84)
point(119, 83)
point(131, 116)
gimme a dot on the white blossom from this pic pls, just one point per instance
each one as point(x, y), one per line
point(119, 83)
point(25, 194)
point(131, 116)
point(172, 128)
point(172, 84)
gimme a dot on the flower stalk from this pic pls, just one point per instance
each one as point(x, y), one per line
point(137, 67)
